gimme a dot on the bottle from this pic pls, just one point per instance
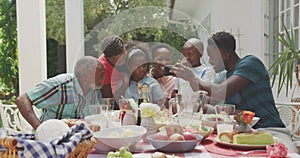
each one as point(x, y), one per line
point(140, 101)
point(146, 98)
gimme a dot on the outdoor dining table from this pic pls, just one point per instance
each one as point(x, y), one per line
point(208, 148)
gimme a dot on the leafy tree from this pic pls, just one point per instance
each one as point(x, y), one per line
point(8, 51)
point(142, 21)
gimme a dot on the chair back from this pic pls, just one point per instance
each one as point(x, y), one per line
point(290, 116)
point(12, 120)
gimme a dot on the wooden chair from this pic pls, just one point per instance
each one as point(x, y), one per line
point(12, 120)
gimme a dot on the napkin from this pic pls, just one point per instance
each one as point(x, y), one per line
point(57, 148)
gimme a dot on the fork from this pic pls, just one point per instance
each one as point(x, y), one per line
point(251, 151)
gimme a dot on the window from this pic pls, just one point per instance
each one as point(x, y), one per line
point(289, 15)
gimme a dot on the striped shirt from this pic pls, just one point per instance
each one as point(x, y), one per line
point(62, 97)
point(257, 95)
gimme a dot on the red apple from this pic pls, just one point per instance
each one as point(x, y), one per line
point(176, 137)
point(189, 136)
point(173, 128)
point(160, 136)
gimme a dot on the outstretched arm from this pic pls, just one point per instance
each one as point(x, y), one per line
point(26, 109)
point(217, 92)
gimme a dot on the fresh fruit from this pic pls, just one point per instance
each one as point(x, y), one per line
point(176, 137)
point(121, 153)
point(173, 128)
point(189, 136)
point(160, 136)
point(189, 129)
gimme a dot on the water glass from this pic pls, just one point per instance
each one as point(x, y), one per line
point(224, 111)
point(97, 116)
point(113, 116)
point(225, 123)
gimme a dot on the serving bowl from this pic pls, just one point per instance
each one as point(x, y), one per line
point(113, 138)
point(174, 146)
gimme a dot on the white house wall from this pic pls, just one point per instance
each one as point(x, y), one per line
point(242, 17)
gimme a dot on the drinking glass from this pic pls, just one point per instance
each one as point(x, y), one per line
point(224, 122)
point(97, 116)
point(113, 116)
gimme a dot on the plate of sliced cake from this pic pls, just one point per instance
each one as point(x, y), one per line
point(248, 141)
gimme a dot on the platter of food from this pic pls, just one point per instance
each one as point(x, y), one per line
point(246, 141)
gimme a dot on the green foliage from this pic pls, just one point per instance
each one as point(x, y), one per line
point(8, 51)
point(284, 64)
point(144, 21)
point(55, 20)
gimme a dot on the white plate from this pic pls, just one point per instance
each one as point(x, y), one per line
point(243, 146)
point(148, 155)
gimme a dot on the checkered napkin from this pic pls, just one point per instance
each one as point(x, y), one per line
point(57, 148)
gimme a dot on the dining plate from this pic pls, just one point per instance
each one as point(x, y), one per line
point(243, 146)
point(148, 155)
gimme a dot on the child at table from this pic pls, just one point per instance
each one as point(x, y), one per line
point(137, 65)
point(161, 55)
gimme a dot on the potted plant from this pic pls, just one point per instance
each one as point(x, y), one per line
point(287, 60)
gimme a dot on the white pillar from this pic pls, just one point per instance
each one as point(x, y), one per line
point(31, 43)
point(74, 32)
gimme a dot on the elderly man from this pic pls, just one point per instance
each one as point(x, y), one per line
point(65, 95)
point(193, 51)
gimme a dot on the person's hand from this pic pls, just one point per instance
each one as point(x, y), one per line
point(183, 72)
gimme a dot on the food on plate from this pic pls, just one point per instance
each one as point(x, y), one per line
point(126, 132)
point(160, 136)
point(94, 128)
point(50, 129)
point(72, 122)
point(205, 131)
point(158, 155)
point(176, 137)
point(254, 138)
point(227, 136)
point(122, 152)
point(173, 128)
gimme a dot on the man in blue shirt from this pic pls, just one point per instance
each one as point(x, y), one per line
point(247, 85)
point(65, 95)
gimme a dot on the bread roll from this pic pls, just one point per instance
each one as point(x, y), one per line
point(158, 155)
point(227, 136)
